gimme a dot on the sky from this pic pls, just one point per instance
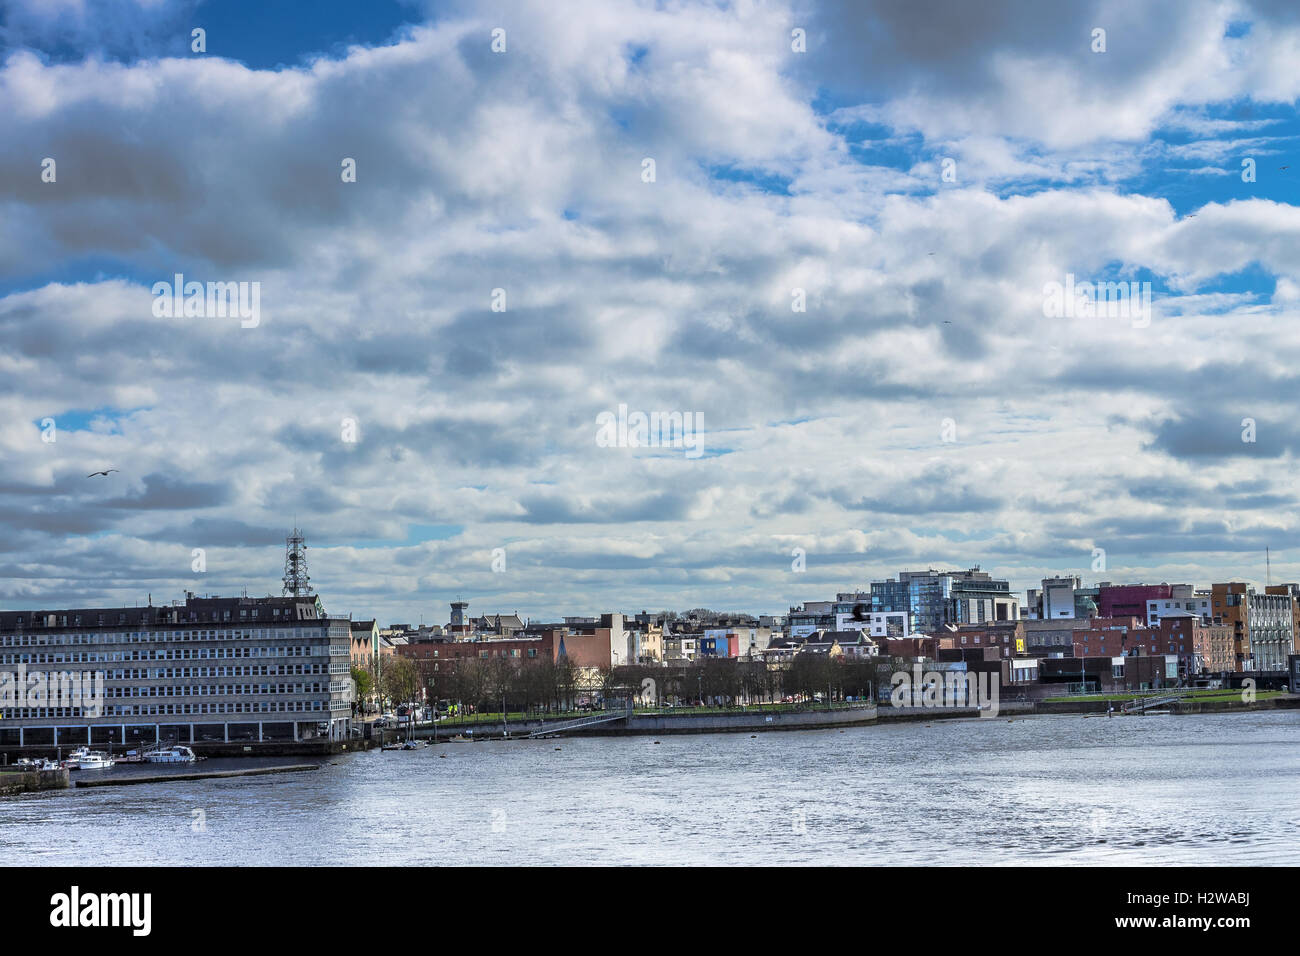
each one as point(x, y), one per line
point(437, 341)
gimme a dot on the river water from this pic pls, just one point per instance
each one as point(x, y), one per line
point(1221, 789)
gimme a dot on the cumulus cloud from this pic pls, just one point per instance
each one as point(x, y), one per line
point(388, 405)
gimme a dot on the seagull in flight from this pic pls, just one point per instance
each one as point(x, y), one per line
point(104, 473)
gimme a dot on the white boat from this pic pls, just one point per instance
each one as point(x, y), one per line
point(38, 763)
point(83, 758)
point(176, 754)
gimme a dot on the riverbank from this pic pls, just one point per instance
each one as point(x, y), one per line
point(317, 747)
point(122, 781)
point(661, 723)
point(32, 781)
point(1188, 705)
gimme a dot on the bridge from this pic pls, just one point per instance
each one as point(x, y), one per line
point(1146, 703)
point(575, 724)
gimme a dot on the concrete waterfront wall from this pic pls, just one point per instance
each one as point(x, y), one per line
point(679, 723)
point(1193, 706)
point(1077, 706)
point(735, 722)
point(30, 781)
point(1189, 705)
point(316, 747)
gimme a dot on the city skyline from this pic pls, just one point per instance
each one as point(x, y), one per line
point(835, 273)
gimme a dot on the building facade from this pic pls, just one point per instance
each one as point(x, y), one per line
point(935, 598)
point(214, 669)
point(1263, 624)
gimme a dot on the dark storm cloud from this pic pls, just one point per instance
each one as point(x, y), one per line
point(219, 532)
point(1216, 435)
point(167, 493)
point(461, 441)
point(900, 46)
point(562, 509)
point(56, 518)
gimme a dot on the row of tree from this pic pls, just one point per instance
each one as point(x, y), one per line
point(547, 686)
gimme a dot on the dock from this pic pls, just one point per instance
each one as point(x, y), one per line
point(208, 775)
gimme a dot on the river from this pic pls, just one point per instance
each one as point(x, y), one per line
point(1222, 789)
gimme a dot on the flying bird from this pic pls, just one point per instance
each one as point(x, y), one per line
point(104, 473)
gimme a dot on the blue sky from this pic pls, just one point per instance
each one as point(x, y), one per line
point(781, 177)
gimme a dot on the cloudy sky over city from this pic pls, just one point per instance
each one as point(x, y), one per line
point(836, 263)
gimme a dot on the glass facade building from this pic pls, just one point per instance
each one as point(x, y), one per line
point(933, 599)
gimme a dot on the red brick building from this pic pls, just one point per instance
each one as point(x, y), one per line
point(1007, 636)
point(1130, 600)
point(443, 655)
point(1214, 648)
point(1107, 636)
point(912, 647)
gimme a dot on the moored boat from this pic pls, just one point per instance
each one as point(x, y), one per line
point(83, 758)
point(176, 754)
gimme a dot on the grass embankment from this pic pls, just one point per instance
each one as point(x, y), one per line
point(1208, 694)
point(470, 720)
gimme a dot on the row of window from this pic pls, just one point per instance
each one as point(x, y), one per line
point(61, 620)
point(174, 710)
point(213, 690)
point(165, 654)
point(154, 637)
point(181, 690)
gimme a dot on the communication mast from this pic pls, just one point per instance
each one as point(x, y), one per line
point(295, 565)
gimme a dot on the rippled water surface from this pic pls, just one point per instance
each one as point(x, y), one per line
point(1056, 790)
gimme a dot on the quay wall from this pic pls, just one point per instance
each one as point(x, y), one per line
point(738, 722)
point(198, 775)
point(317, 747)
point(31, 781)
point(1189, 705)
point(682, 723)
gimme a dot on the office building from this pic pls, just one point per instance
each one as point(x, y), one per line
point(210, 669)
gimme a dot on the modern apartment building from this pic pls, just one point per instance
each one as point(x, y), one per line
point(1181, 598)
point(850, 611)
point(217, 669)
point(1060, 599)
point(1271, 624)
point(935, 598)
point(1293, 592)
point(1263, 624)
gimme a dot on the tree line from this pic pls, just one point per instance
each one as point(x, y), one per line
point(549, 686)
